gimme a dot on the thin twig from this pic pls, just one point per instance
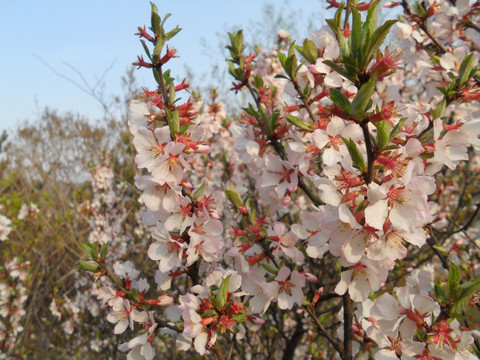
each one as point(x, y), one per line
point(324, 333)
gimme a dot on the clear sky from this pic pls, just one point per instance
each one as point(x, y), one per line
point(91, 35)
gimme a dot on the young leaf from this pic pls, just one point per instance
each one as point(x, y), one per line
point(87, 249)
point(361, 100)
point(87, 265)
point(173, 122)
point(464, 71)
point(355, 154)
point(397, 128)
point(308, 51)
point(104, 251)
point(453, 285)
point(258, 81)
point(340, 100)
point(376, 41)
point(383, 134)
point(270, 268)
point(147, 50)
point(222, 293)
point(274, 120)
point(240, 317)
point(299, 123)
point(172, 33)
point(440, 292)
point(438, 111)
point(342, 71)
point(196, 195)
point(233, 196)
point(155, 19)
point(291, 66)
point(370, 23)
point(356, 40)
point(343, 44)
point(282, 58)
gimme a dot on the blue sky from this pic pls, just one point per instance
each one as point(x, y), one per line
point(90, 36)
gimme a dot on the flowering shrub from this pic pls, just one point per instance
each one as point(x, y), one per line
point(13, 295)
point(333, 217)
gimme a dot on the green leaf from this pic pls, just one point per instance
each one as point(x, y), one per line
point(282, 58)
point(350, 64)
point(222, 293)
point(95, 249)
point(215, 303)
point(397, 128)
point(355, 154)
point(440, 292)
point(469, 289)
point(104, 251)
point(333, 25)
point(464, 71)
point(270, 268)
point(342, 71)
point(299, 123)
point(376, 41)
point(280, 76)
point(233, 196)
point(240, 317)
point(171, 93)
point(165, 19)
point(199, 192)
point(343, 44)
point(336, 22)
point(291, 66)
point(147, 50)
point(360, 207)
point(443, 90)
point(250, 110)
point(308, 51)
point(133, 294)
point(87, 249)
point(363, 97)
point(208, 313)
point(258, 81)
point(340, 100)
point(370, 24)
point(453, 285)
point(324, 317)
point(274, 119)
point(356, 40)
point(438, 111)
point(173, 122)
point(383, 134)
point(440, 248)
point(158, 48)
point(155, 19)
point(184, 128)
point(172, 33)
point(88, 265)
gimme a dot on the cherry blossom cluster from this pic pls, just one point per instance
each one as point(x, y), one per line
point(5, 227)
point(106, 212)
point(13, 296)
point(318, 198)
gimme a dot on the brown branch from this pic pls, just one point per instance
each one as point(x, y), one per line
point(305, 104)
point(347, 326)
point(324, 333)
point(218, 352)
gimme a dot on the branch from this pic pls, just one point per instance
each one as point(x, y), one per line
point(324, 333)
point(368, 177)
point(347, 326)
